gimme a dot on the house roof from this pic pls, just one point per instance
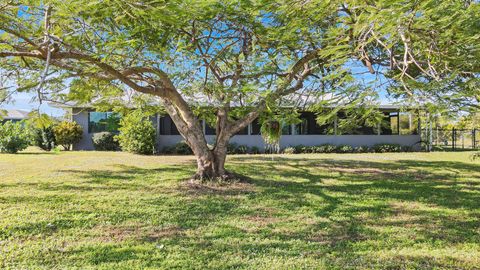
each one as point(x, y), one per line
point(386, 107)
point(14, 114)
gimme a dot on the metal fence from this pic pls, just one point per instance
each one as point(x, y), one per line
point(455, 139)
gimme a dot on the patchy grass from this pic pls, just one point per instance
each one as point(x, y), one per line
point(120, 211)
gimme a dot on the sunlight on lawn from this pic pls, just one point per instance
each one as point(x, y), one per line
point(116, 210)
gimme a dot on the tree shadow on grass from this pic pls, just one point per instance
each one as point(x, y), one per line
point(348, 207)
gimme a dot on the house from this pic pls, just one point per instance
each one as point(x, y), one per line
point(12, 115)
point(397, 128)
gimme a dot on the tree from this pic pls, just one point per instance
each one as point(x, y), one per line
point(242, 58)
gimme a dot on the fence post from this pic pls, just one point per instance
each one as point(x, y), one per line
point(474, 139)
point(453, 138)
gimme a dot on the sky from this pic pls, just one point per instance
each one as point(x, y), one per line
point(23, 101)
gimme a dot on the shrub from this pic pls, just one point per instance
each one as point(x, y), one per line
point(14, 137)
point(254, 150)
point(387, 147)
point(181, 148)
point(105, 141)
point(344, 149)
point(137, 134)
point(300, 149)
point(289, 150)
point(67, 134)
point(325, 148)
point(361, 149)
point(44, 138)
point(234, 148)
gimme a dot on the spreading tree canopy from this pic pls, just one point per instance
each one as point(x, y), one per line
point(233, 61)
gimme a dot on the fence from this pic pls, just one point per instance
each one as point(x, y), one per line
point(455, 139)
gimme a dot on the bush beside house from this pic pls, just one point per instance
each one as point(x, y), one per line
point(14, 137)
point(137, 134)
point(67, 134)
point(105, 141)
point(44, 138)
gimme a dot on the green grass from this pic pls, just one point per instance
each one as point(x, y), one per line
point(336, 211)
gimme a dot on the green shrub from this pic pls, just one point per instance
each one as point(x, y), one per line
point(300, 149)
point(254, 150)
point(181, 148)
point(325, 148)
point(361, 149)
point(289, 150)
point(344, 149)
point(44, 138)
point(234, 148)
point(105, 141)
point(67, 133)
point(137, 134)
point(14, 137)
point(387, 147)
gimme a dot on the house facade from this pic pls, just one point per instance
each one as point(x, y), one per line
point(397, 128)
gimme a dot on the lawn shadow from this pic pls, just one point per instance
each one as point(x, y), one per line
point(347, 203)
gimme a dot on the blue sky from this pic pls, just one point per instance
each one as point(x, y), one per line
point(23, 101)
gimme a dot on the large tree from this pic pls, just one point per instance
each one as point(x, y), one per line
point(232, 61)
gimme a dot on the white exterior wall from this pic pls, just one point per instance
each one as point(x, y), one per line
point(81, 117)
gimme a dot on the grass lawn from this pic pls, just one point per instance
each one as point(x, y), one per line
point(120, 211)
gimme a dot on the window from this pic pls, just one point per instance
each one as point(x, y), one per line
point(167, 127)
point(103, 121)
point(302, 127)
point(286, 129)
point(256, 127)
point(408, 124)
point(209, 130)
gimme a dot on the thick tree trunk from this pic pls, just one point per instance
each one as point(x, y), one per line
point(211, 165)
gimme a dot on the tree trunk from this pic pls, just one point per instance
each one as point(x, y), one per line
point(211, 165)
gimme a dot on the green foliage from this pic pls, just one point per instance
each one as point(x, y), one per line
point(14, 137)
point(388, 147)
point(105, 141)
point(180, 148)
point(234, 148)
point(254, 150)
point(41, 126)
point(289, 150)
point(344, 149)
point(44, 138)
point(67, 133)
point(331, 148)
point(137, 134)
point(271, 132)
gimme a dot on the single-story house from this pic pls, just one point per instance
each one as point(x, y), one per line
point(12, 115)
point(397, 128)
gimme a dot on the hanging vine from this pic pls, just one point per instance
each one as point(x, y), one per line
point(271, 132)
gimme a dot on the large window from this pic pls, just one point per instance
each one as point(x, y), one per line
point(103, 121)
point(167, 127)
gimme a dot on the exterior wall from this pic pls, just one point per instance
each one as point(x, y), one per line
point(81, 117)
point(309, 140)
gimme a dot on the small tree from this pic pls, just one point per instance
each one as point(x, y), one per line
point(44, 138)
point(137, 134)
point(14, 137)
point(67, 133)
point(41, 128)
